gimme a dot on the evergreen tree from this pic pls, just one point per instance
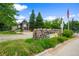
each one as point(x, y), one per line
point(32, 21)
point(39, 21)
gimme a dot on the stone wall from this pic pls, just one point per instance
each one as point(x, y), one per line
point(43, 33)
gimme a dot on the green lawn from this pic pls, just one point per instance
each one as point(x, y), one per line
point(28, 46)
point(7, 32)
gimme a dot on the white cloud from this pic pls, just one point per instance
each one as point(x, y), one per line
point(49, 18)
point(20, 17)
point(72, 15)
point(20, 7)
point(78, 14)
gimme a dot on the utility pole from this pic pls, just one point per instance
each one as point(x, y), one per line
point(62, 25)
point(68, 23)
point(68, 17)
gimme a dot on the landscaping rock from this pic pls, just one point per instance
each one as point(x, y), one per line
point(44, 33)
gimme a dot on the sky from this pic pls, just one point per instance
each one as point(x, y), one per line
point(49, 11)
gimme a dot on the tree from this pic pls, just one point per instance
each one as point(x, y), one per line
point(73, 25)
point(32, 21)
point(47, 24)
point(39, 21)
point(56, 23)
point(7, 19)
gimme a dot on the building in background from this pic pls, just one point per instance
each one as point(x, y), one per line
point(24, 25)
point(21, 25)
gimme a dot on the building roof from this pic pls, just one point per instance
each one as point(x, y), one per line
point(21, 21)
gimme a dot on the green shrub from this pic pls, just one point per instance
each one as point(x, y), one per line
point(30, 40)
point(62, 39)
point(53, 42)
point(67, 33)
point(44, 43)
point(35, 48)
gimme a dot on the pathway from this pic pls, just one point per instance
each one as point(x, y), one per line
point(25, 35)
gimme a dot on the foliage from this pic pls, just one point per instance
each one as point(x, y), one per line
point(67, 33)
point(53, 42)
point(73, 25)
point(39, 21)
point(61, 39)
point(7, 19)
point(4, 27)
point(32, 21)
point(56, 23)
point(47, 24)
